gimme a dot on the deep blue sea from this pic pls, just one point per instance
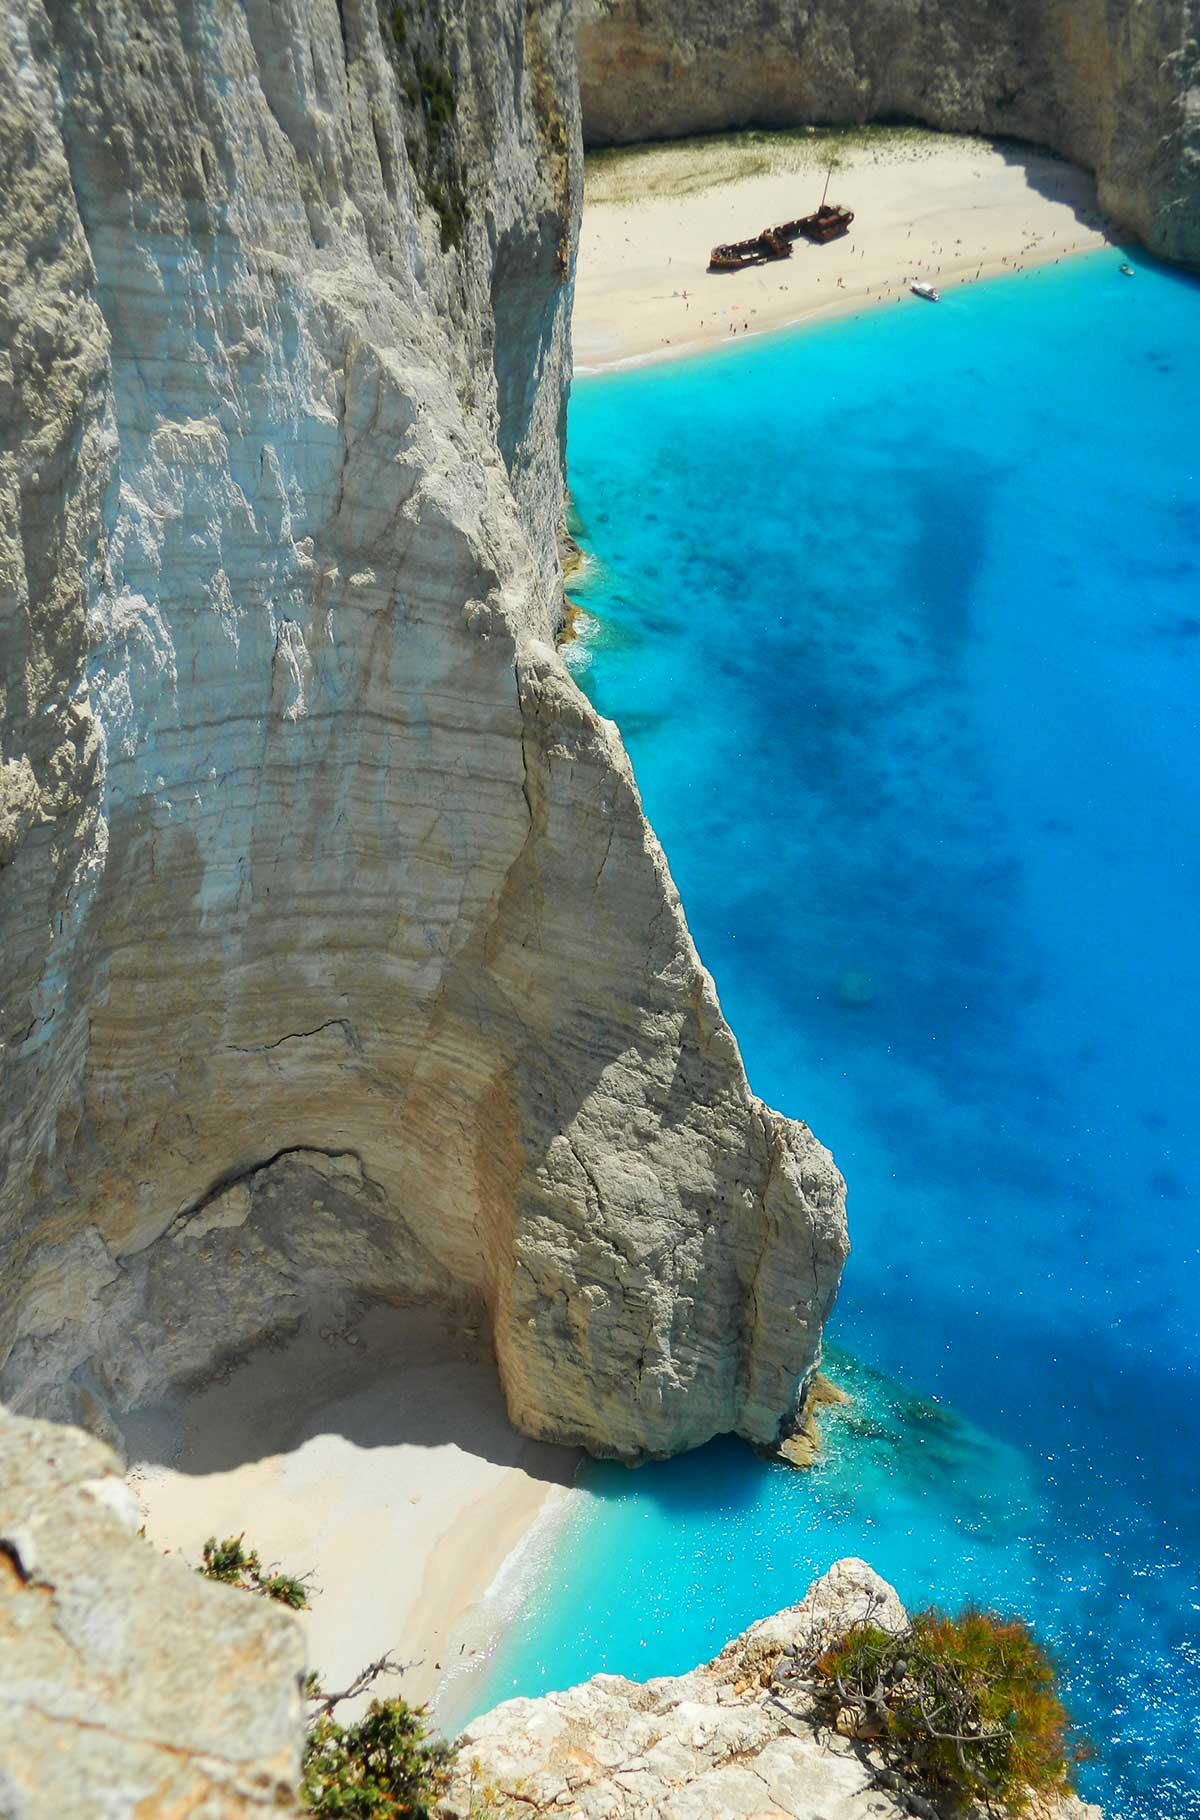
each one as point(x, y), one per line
point(900, 620)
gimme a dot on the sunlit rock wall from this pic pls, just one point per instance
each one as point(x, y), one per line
point(338, 958)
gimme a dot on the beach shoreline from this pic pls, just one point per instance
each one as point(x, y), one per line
point(378, 1462)
point(948, 209)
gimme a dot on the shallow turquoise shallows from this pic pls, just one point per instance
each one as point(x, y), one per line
point(900, 618)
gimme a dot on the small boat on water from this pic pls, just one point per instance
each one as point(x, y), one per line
point(927, 291)
point(1127, 271)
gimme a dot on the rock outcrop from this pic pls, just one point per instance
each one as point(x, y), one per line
point(727, 1740)
point(339, 961)
point(128, 1685)
point(1112, 84)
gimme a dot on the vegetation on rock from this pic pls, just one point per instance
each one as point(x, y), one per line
point(552, 126)
point(233, 1564)
point(422, 61)
point(385, 1766)
point(967, 1707)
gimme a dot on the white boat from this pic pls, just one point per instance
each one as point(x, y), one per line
point(926, 291)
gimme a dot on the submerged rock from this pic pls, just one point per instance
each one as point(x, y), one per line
point(803, 1447)
point(856, 989)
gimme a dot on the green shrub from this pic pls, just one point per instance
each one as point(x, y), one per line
point(385, 1767)
point(228, 1561)
point(450, 206)
point(968, 1706)
point(437, 95)
point(233, 1564)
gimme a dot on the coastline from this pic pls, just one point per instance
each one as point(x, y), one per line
point(476, 1642)
point(383, 1468)
point(419, 1533)
point(942, 207)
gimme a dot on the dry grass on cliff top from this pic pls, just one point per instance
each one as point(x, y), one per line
point(688, 167)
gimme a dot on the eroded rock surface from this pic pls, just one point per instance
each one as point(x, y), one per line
point(1112, 84)
point(728, 1740)
point(128, 1685)
point(339, 961)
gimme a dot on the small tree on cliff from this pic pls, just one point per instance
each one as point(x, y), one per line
point(967, 1708)
point(233, 1564)
point(386, 1765)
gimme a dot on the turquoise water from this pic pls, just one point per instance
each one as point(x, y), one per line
point(900, 618)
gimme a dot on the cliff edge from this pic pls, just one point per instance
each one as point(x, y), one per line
point(735, 1737)
point(128, 1685)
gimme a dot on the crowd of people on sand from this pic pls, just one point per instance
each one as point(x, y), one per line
point(954, 233)
point(899, 288)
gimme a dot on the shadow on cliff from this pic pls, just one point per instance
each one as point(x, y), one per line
point(393, 1378)
point(1058, 180)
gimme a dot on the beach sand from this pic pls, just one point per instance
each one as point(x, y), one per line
point(932, 206)
point(382, 1465)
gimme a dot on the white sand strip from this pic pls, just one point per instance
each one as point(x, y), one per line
point(938, 207)
point(385, 1466)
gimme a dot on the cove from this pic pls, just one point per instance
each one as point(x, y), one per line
point(900, 620)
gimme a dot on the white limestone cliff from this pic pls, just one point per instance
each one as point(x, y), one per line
point(339, 961)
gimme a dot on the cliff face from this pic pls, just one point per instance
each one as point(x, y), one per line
point(1111, 84)
point(339, 960)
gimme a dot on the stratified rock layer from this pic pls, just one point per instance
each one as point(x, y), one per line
point(730, 1739)
point(1112, 84)
point(339, 960)
point(129, 1687)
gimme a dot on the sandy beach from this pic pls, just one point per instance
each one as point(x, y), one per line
point(938, 207)
point(379, 1460)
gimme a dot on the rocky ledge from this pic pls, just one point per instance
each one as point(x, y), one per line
point(128, 1685)
point(732, 1740)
